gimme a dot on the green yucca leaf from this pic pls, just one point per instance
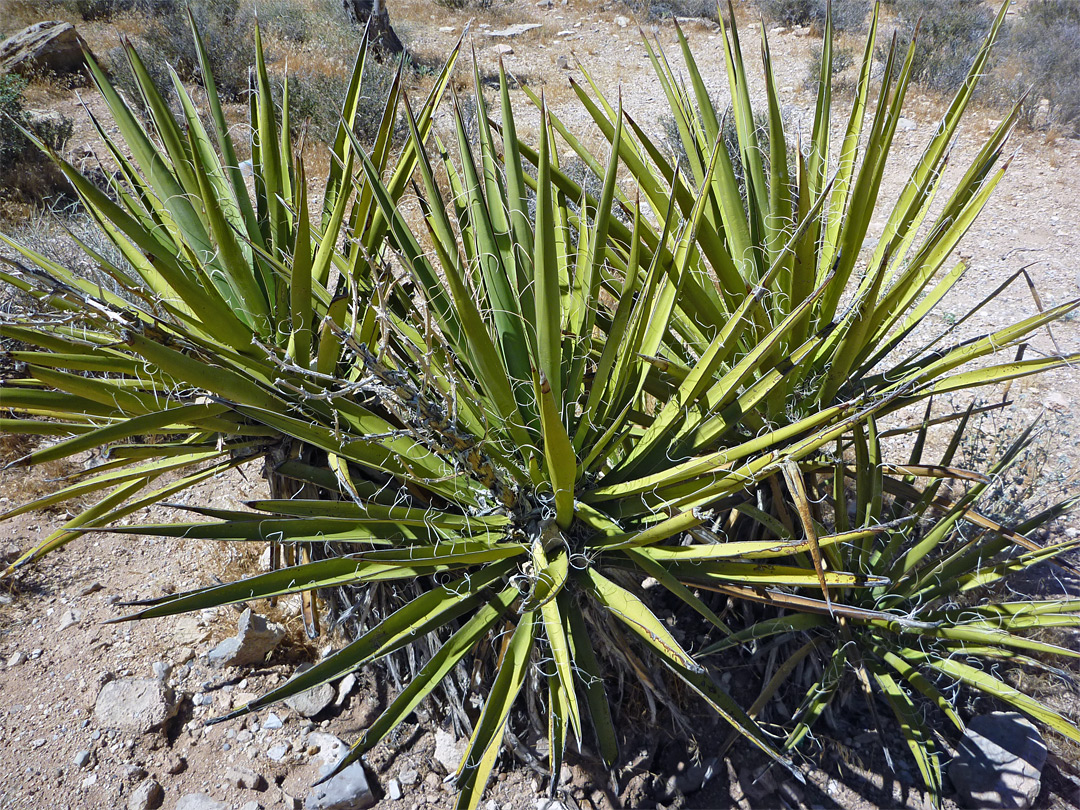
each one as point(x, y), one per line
point(560, 426)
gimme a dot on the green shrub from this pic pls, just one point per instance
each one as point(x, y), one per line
point(26, 176)
point(12, 114)
point(546, 447)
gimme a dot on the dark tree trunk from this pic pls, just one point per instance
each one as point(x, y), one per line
point(382, 33)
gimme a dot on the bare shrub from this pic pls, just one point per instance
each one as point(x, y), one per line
point(1042, 53)
point(950, 35)
point(847, 15)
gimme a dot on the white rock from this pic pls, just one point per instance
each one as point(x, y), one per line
point(393, 790)
point(513, 30)
point(906, 125)
point(622, 21)
point(68, 619)
point(18, 657)
point(503, 50)
point(278, 752)
point(448, 750)
point(272, 722)
point(348, 683)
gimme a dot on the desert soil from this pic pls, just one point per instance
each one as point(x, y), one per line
point(56, 650)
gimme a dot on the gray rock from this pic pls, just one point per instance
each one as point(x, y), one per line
point(448, 750)
point(135, 704)
point(82, 759)
point(278, 752)
point(147, 796)
point(349, 790)
point(46, 46)
point(999, 762)
point(18, 657)
point(255, 640)
point(245, 778)
point(409, 776)
point(200, 801)
point(314, 700)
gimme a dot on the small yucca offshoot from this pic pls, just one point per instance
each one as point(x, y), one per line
point(489, 426)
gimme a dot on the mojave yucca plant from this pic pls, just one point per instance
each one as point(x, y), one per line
point(546, 433)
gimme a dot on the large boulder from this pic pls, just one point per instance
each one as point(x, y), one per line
point(45, 47)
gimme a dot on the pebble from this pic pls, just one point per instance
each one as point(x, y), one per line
point(174, 764)
point(278, 752)
point(272, 722)
point(252, 805)
point(82, 759)
point(393, 790)
point(68, 618)
point(16, 658)
point(89, 781)
point(245, 778)
point(409, 776)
